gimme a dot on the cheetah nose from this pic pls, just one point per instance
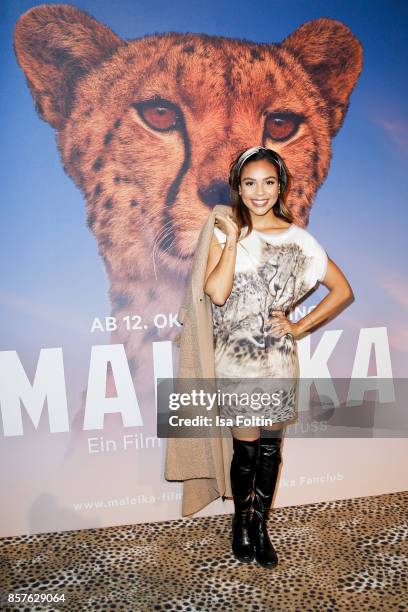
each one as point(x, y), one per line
point(217, 192)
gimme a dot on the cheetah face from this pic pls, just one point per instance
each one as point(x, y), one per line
point(147, 128)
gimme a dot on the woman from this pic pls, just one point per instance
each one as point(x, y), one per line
point(260, 264)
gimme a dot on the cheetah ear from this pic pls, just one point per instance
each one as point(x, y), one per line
point(55, 46)
point(333, 57)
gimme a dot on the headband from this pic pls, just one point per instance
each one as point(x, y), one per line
point(252, 151)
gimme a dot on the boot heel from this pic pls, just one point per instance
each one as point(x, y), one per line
point(265, 554)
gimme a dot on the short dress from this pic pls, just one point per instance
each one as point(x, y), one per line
point(272, 272)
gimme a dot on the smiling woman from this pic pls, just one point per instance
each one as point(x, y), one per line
point(260, 264)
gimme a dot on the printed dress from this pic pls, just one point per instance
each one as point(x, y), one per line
point(272, 272)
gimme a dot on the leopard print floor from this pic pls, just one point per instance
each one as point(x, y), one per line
point(337, 555)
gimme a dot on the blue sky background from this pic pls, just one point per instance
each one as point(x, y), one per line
point(53, 280)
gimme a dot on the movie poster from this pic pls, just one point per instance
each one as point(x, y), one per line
point(120, 121)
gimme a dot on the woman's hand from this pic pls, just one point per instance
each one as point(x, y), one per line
point(282, 326)
point(227, 225)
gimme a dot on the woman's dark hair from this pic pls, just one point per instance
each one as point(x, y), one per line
point(241, 214)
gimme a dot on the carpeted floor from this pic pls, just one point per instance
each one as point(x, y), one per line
point(342, 555)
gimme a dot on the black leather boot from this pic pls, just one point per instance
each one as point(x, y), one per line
point(265, 483)
point(243, 466)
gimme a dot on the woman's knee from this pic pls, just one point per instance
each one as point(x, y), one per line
point(245, 434)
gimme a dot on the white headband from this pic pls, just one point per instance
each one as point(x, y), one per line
point(247, 154)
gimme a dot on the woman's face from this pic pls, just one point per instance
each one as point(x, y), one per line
point(259, 186)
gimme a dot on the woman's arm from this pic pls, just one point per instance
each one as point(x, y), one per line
point(219, 274)
point(340, 295)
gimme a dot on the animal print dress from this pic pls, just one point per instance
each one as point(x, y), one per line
point(272, 272)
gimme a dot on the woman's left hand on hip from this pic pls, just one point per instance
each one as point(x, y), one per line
point(282, 326)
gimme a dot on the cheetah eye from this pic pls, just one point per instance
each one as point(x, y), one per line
point(159, 114)
point(282, 126)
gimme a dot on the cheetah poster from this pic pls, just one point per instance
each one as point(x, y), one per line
point(119, 124)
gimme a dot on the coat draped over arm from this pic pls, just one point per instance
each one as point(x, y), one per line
point(203, 464)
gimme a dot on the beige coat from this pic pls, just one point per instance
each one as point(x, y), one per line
point(203, 464)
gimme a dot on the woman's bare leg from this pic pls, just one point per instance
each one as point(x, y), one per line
point(246, 434)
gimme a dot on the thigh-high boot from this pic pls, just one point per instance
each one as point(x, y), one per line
point(265, 483)
point(243, 466)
